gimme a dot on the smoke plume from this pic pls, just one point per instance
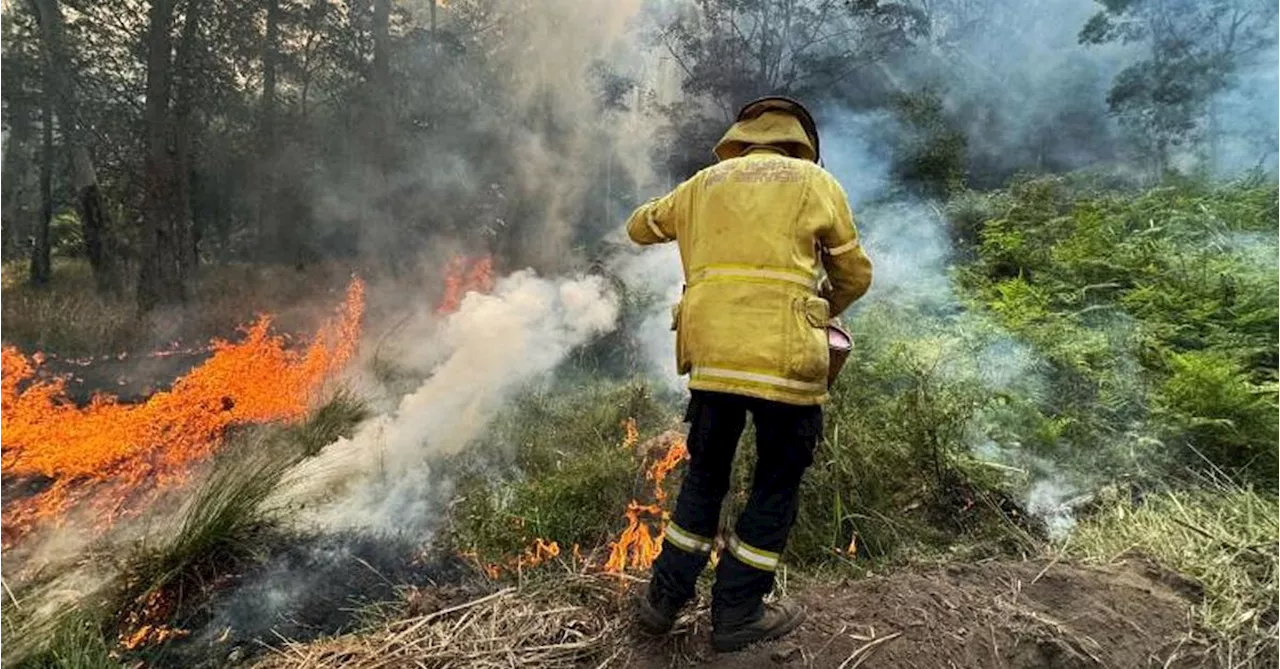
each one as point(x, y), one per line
point(492, 347)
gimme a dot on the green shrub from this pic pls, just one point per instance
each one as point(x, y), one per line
point(1156, 311)
point(897, 464)
point(1210, 400)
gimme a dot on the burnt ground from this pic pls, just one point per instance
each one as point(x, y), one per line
point(997, 615)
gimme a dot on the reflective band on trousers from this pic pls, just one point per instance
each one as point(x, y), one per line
point(686, 540)
point(752, 556)
point(753, 273)
point(756, 377)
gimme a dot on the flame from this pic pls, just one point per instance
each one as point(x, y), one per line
point(636, 546)
point(658, 472)
point(141, 620)
point(535, 554)
point(109, 454)
point(639, 545)
point(633, 434)
point(460, 280)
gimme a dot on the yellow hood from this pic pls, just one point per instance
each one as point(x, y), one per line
point(775, 129)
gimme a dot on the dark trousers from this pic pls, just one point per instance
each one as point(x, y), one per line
point(786, 436)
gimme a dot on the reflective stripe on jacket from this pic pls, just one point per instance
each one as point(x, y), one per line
point(755, 233)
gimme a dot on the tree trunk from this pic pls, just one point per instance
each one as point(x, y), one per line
point(14, 196)
point(275, 233)
point(380, 147)
point(99, 243)
point(184, 131)
point(40, 260)
point(161, 279)
point(382, 66)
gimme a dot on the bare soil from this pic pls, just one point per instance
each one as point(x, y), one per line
point(992, 615)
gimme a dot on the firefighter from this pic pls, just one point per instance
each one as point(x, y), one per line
point(756, 232)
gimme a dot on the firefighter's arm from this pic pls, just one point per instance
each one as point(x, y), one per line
point(848, 268)
point(656, 221)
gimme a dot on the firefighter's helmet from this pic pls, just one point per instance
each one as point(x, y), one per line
point(759, 106)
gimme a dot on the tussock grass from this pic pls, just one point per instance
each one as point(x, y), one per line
point(1225, 537)
point(229, 511)
point(335, 418)
point(76, 642)
point(56, 621)
point(224, 516)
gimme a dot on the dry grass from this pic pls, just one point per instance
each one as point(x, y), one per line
point(68, 318)
point(1224, 538)
point(570, 621)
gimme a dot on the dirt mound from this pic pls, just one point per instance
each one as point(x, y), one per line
point(987, 615)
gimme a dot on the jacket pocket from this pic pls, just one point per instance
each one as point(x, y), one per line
point(809, 355)
point(817, 312)
point(682, 356)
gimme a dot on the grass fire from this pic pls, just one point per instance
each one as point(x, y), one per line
point(109, 458)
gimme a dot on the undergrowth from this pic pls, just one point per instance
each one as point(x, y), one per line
point(1155, 312)
point(562, 472)
point(68, 317)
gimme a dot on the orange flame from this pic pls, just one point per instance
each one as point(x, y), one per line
point(109, 454)
point(459, 280)
point(633, 433)
point(638, 545)
point(658, 472)
point(537, 553)
point(142, 621)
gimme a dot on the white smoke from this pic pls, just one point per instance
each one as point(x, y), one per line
point(493, 346)
point(655, 271)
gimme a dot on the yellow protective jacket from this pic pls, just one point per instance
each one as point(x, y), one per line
point(755, 231)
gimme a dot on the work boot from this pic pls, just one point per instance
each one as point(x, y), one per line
point(768, 622)
point(655, 614)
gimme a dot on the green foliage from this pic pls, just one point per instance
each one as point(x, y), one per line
point(77, 642)
point(65, 235)
point(1165, 98)
point(1211, 399)
point(896, 466)
point(1156, 311)
point(930, 156)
